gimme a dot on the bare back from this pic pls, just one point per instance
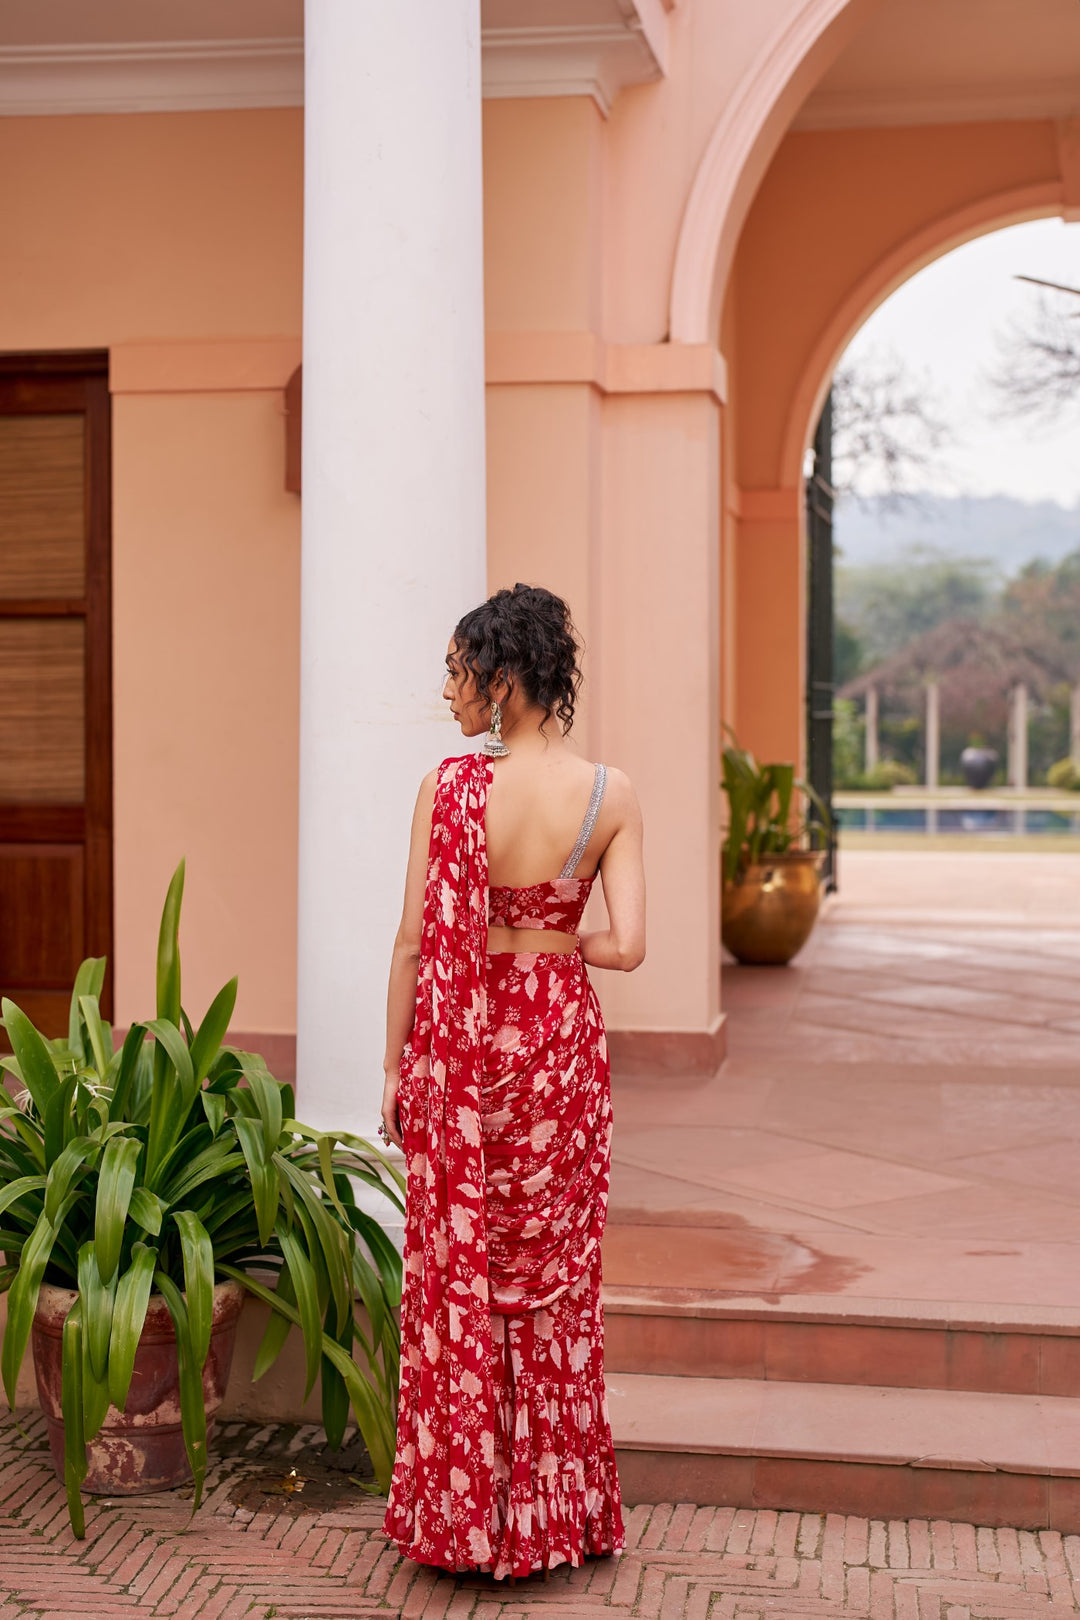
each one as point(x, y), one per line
point(536, 805)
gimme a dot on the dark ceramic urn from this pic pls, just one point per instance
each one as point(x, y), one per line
point(978, 766)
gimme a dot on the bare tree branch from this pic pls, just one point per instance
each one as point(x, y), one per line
point(887, 433)
point(1038, 370)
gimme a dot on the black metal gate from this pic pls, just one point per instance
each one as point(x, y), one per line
point(820, 681)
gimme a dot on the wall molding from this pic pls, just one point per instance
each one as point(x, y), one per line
point(944, 104)
point(590, 60)
point(742, 141)
point(519, 359)
point(203, 365)
point(194, 75)
point(185, 75)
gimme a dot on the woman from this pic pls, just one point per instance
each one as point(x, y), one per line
point(497, 1089)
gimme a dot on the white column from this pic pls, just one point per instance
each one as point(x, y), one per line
point(933, 733)
point(1074, 724)
point(393, 479)
point(871, 729)
point(1018, 737)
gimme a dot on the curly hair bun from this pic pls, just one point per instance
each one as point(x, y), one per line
point(528, 632)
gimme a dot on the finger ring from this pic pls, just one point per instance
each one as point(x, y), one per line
point(384, 1133)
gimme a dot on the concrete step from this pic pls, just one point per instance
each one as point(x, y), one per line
point(880, 1452)
point(830, 1339)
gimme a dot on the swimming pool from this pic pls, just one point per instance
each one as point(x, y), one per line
point(1023, 820)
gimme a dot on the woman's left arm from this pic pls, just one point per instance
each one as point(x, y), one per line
point(401, 993)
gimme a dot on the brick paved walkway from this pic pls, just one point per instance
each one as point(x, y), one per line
point(255, 1552)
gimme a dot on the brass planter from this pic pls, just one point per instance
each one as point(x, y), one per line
point(770, 908)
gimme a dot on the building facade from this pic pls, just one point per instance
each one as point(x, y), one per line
point(568, 283)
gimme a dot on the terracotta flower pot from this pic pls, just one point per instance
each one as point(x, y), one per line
point(770, 908)
point(142, 1448)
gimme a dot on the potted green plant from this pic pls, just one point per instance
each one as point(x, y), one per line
point(772, 872)
point(143, 1191)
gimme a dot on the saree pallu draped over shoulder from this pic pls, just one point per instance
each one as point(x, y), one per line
point(504, 1454)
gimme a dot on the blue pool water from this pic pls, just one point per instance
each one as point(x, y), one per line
point(1023, 820)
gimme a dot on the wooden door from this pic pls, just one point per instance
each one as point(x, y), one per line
point(55, 678)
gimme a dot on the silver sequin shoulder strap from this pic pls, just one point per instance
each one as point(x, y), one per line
point(595, 800)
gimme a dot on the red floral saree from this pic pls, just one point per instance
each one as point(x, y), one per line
point(504, 1453)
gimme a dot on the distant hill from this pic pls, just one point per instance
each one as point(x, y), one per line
point(1005, 531)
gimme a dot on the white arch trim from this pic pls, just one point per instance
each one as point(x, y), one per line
point(996, 212)
point(738, 151)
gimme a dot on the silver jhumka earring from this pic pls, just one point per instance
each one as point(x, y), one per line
point(493, 743)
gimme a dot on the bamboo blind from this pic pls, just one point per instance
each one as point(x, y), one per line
point(42, 750)
point(42, 523)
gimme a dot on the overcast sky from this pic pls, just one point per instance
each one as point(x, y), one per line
point(943, 322)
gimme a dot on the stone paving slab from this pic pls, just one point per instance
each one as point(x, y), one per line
point(258, 1550)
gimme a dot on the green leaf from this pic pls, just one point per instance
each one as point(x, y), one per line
point(129, 1314)
point(277, 1330)
point(267, 1097)
point(198, 1256)
point(94, 1028)
point(192, 1405)
point(171, 1039)
point(115, 1184)
point(146, 1209)
point(129, 1056)
point(71, 1408)
point(168, 956)
point(307, 1301)
point(59, 1119)
point(35, 1062)
point(19, 1188)
point(264, 1182)
point(335, 1403)
point(212, 1030)
point(22, 1301)
point(97, 1312)
point(214, 1109)
point(64, 1170)
point(89, 981)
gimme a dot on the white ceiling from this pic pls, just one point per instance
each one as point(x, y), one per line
point(933, 61)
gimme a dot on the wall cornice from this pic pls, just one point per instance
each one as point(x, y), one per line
point(591, 60)
point(596, 59)
point(188, 75)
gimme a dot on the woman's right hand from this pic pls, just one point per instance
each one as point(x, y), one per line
point(390, 1116)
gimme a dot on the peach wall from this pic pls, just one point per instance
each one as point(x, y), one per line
point(206, 570)
point(543, 214)
point(544, 451)
point(833, 204)
point(156, 225)
point(659, 696)
point(173, 240)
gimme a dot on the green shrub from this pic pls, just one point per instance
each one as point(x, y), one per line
point(1065, 776)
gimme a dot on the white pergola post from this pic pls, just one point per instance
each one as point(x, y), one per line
point(393, 491)
point(872, 755)
point(1018, 737)
point(1074, 724)
point(933, 734)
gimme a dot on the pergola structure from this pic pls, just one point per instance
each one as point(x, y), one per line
point(962, 665)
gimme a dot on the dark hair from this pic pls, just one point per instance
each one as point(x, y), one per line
point(528, 633)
